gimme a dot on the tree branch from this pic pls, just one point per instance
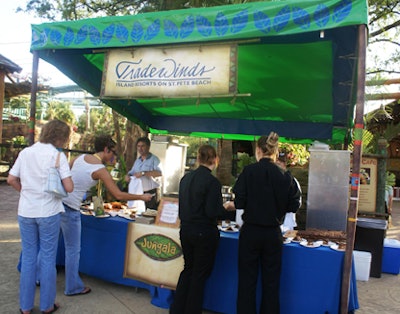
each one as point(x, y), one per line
point(384, 29)
point(383, 71)
point(377, 41)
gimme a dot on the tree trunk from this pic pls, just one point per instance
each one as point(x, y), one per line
point(2, 91)
point(117, 130)
point(224, 170)
point(87, 110)
point(133, 132)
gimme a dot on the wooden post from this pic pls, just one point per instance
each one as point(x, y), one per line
point(32, 116)
point(355, 176)
point(2, 92)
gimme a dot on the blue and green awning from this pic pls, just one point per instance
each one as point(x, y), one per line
point(296, 60)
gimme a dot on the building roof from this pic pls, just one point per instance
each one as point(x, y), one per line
point(8, 66)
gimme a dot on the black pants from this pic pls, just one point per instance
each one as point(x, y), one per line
point(259, 248)
point(199, 250)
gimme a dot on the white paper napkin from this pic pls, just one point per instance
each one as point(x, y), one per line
point(136, 187)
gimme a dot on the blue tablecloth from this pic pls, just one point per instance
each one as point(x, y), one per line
point(310, 282)
point(103, 255)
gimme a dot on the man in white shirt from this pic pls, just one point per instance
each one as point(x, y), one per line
point(147, 167)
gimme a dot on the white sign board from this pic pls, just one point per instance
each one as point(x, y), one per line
point(170, 72)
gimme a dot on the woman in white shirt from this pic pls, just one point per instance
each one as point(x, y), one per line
point(39, 213)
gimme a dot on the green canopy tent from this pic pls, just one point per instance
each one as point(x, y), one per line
point(300, 72)
point(296, 66)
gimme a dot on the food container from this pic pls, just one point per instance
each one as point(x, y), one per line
point(226, 189)
point(226, 197)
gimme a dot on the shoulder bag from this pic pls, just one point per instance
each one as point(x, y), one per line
point(54, 183)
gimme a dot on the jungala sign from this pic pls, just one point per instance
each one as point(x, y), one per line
point(170, 72)
point(153, 254)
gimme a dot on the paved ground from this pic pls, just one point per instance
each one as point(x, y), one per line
point(378, 295)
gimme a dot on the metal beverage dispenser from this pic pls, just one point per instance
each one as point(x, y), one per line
point(328, 189)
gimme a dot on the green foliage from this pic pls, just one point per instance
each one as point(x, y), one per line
point(390, 179)
point(384, 28)
point(19, 140)
point(2, 152)
point(60, 110)
point(122, 173)
point(243, 159)
point(55, 10)
point(100, 120)
point(369, 142)
point(297, 154)
point(194, 143)
point(18, 102)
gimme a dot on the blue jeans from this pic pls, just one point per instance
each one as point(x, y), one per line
point(38, 233)
point(71, 229)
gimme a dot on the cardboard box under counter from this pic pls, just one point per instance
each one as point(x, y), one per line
point(144, 220)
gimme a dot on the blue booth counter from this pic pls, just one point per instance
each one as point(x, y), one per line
point(310, 281)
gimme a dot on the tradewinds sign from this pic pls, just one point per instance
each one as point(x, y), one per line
point(170, 72)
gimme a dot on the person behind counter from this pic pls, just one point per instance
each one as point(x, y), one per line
point(39, 213)
point(146, 168)
point(289, 223)
point(200, 203)
point(264, 191)
point(86, 170)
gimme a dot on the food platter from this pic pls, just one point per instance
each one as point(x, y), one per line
point(297, 239)
point(310, 244)
point(287, 240)
point(102, 216)
point(338, 247)
point(150, 213)
point(86, 212)
point(87, 206)
point(328, 243)
point(228, 226)
point(126, 216)
point(230, 229)
point(91, 213)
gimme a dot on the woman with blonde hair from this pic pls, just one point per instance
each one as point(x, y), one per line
point(265, 192)
point(39, 213)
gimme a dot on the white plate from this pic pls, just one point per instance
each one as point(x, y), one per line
point(336, 248)
point(102, 216)
point(126, 216)
point(87, 206)
point(297, 241)
point(310, 245)
point(329, 243)
point(230, 229)
point(86, 212)
point(112, 213)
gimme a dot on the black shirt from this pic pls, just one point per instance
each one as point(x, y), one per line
point(265, 192)
point(200, 198)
